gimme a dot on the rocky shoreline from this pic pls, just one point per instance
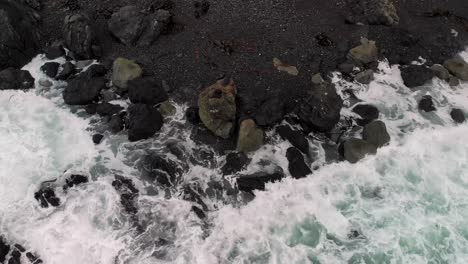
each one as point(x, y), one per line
point(244, 69)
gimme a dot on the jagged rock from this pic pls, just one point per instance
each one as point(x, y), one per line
point(144, 121)
point(66, 71)
point(458, 67)
point(83, 90)
point(192, 115)
point(146, 90)
point(13, 79)
point(295, 137)
point(426, 104)
point(297, 166)
point(54, 52)
point(124, 70)
point(46, 196)
point(457, 115)
point(107, 109)
point(376, 133)
point(167, 109)
point(97, 138)
point(365, 53)
point(235, 162)
point(416, 75)
point(250, 136)
point(50, 69)
point(367, 112)
point(19, 37)
point(365, 77)
point(355, 149)
point(161, 169)
point(127, 24)
point(257, 181)
point(441, 72)
point(74, 180)
point(217, 107)
point(270, 112)
point(320, 111)
point(80, 37)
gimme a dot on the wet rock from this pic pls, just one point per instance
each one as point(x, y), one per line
point(146, 90)
point(13, 79)
point(4, 249)
point(96, 70)
point(19, 40)
point(167, 109)
point(128, 193)
point(457, 115)
point(250, 137)
point(192, 115)
point(46, 196)
point(356, 149)
point(346, 67)
point(80, 37)
point(199, 212)
point(257, 181)
point(376, 133)
point(83, 90)
point(127, 24)
point(297, 166)
point(295, 137)
point(45, 83)
point(74, 180)
point(284, 67)
point(161, 169)
point(50, 69)
point(33, 258)
point(458, 67)
point(416, 75)
point(54, 52)
point(124, 70)
point(116, 123)
point(81, 64)
point(108, 95)
point(441, 72)
point(270, 112)
point(97, 138)
point(426, 104)
point(365, 77)
point(365, 53)
point(453, 81)
point(66, 71)
point(367, 112)
point(235, 162)
point(217, 107)
point(144, 121)
point(15, 257)
point(107, 109)
point(320, 111)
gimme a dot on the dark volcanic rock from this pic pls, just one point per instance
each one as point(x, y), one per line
point(116, 123)
point(320, 111)
point(376, 134)
point(46, 196)
point(416, 75)
point(15, 257)
point(83, 90)
point(146, 90)
point(80, 37)
point(107, 109)
point(192, 115)
point(367, 112)
point(96, 70)
point(54, 52)
point(235, 162)
point(355, 149)
point(74, 180)
point(295, 137)
point(13, 79)
point(97, 138)
point(50, 69)
point(161, 169)
point(127, 24)
point(128, 193)
point(297, 166)
point(270, 112)
point(257, 181)
point(4, 249)
point(457, 115)
point(144, 121)
point(19, 38)
point(426, 104)
point(67, 70)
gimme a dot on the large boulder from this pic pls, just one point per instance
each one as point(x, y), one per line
point(13, 79)
point(367, 112)
point(251, 137)
point(83, 90)
point(376, 133)
point(416, 75)
point(355, 149)
point(458, 67)
point(365, 53)
point(426, 104)
point(270, 112)
point(320, 111)
point(124, 70)
point(295, 137)
point(80, 37)
point(19, 34)
point(217, 107)
point(297, 166)
point(144, 121)
point(146, 90)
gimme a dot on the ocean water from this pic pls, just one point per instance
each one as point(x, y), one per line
point(407, 204)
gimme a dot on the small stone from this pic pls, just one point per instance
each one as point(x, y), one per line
point(297, 166)
point(376, 133)
point(365, 53)
point(97, 138)
point(50, 69)
point(454, 81)
point(116, 124)
point(317, 79)
point(457, 115)
point(458, 67)
point(167, 109)
point(54, 52)
point(284, 67)
point(426, 104)
point(250, 136)
point(365, 77)
point(66, 70)
point(441, 72)
point(124, 70)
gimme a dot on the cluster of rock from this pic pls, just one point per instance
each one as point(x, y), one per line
point(12, 254)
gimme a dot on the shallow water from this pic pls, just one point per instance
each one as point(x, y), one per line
point(407, 204)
